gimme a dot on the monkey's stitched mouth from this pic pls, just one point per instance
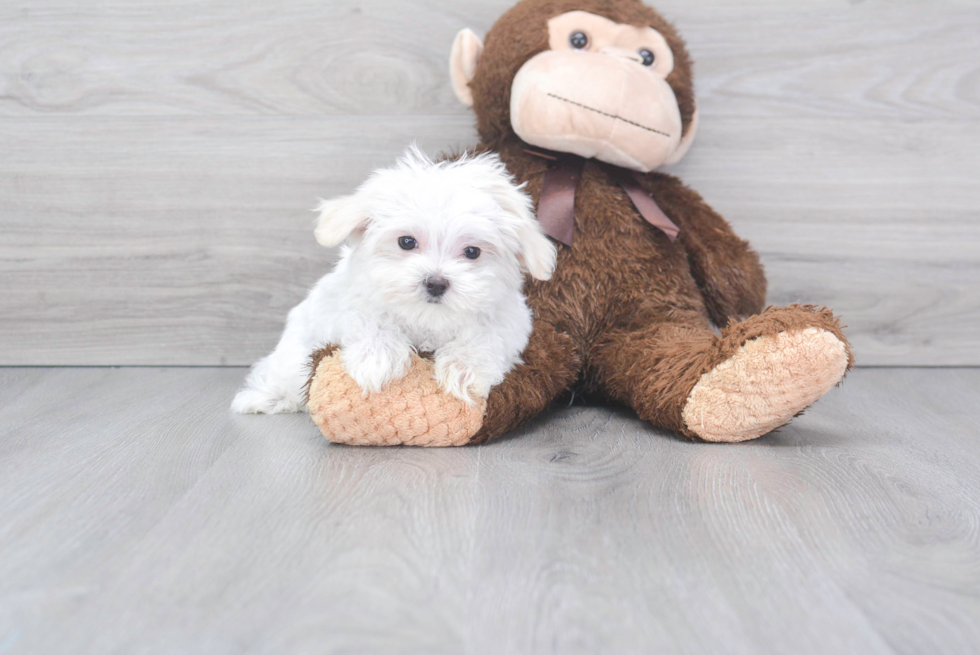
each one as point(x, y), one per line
point(608, 115)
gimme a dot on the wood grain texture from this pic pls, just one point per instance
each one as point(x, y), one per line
point(158, 161)
point(915, 59)
point(195, 258)
point(138, 515)
point(198, 256)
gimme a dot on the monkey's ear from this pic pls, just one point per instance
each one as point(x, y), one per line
point(339, 219)
point(467, 49)
point(686, 141)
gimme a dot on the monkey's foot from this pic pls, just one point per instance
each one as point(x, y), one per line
point(764, 384)
point(412, 411)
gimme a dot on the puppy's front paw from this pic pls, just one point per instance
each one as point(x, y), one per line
point(374, 368)
point(465, 382)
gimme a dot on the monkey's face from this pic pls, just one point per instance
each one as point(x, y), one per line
point(600, 89)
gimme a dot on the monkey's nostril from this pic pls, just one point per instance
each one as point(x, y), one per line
point(436, 286)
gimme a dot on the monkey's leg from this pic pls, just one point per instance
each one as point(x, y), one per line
point(754, 378)
point(551, 365)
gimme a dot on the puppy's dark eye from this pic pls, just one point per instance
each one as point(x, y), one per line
point(579, 40)
point(648, 57)
point(472, 252)
point(407, 243)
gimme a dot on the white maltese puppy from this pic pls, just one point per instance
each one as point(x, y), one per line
point(434, 261)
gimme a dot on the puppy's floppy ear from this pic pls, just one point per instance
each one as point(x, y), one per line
point(339, 219)
point(536, 252)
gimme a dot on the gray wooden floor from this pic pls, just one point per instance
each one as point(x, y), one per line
point(138, 516)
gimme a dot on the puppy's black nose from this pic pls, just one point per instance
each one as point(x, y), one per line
point(436, 286)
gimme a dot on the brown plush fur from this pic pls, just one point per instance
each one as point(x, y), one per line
point(627, 314)
point(315, 359)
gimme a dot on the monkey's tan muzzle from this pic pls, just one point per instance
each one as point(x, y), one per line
point(596, 105)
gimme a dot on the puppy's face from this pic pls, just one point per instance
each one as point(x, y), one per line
point(437, 247)
point(440, 238)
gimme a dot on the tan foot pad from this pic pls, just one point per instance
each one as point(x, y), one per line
point(412, 411)
point(767, 382)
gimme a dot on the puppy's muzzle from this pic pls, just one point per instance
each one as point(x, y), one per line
point(436, 286)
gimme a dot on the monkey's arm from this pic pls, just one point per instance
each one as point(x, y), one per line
point(726, 269)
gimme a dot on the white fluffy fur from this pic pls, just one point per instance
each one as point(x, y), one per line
point(374, 304)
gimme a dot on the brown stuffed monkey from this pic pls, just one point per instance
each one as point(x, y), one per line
point(583, 100)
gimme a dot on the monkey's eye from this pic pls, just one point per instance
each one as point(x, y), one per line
point(407, 243)
point(471, 252)
point(579, 40)
point(648, 57)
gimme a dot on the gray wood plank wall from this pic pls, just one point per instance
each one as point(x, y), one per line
point(157, 161)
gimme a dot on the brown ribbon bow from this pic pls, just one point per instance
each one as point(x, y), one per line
point(556, 207)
